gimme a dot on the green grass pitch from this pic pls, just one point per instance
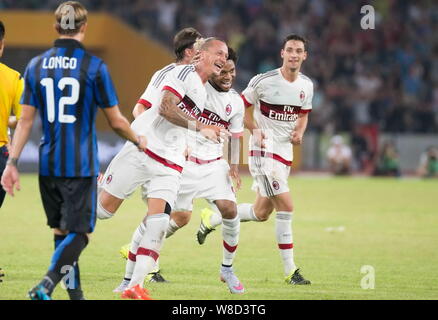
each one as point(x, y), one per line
point(389, 224)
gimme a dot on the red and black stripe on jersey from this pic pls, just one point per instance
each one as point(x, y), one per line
point(189, 106)
point(280, 112)
point(210, 118)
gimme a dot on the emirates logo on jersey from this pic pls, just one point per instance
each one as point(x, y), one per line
point(228, 109)
point(276, 185)
point(109, 179)
point(302, 96)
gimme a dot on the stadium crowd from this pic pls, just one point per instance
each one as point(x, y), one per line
point(385, 79)
point(387, 76)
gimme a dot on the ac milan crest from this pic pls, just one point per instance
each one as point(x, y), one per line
point(276, 185)
point(109, 179)
point(302, 96)
point(228, 109)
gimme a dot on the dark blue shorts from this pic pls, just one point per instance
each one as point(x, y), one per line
point(70, 203)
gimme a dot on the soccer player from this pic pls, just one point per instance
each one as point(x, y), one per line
point(11, 88)
point(206, 175)
point(158, 171)
point(184, 52)
point(277, 107)
point(65, 84)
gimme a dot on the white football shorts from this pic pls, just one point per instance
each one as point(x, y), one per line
point(209, 181)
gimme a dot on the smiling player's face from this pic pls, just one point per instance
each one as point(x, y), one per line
point(215, 57)
point(226, 76)
point(293, 54)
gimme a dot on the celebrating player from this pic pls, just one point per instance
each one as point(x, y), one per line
point(10, 93)
point(64, 84)
point(277, 106)
point(185, 53)
point(206, 175)
point(158, 171)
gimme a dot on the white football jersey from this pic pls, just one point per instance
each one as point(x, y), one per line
point(277, 103)
point(223, 109)
point(153, 90)
point(165, 139)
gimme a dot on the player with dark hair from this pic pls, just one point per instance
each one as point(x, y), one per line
point(66, 84)
point(277, 106)
point(11, 88)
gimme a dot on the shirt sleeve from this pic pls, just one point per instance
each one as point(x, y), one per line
point(307, 106)
point(236, 122)
point(147, 97)
point(250, 94)
point(177, 81)
point(16, 106)
point(105, 93)
point(28, 96)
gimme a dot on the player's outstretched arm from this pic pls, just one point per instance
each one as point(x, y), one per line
point(11, 177)
point(121, 126)
point(298, 133)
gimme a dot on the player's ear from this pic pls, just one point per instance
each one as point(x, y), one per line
point(305, 56)
point(282, 53)
point(83, 28)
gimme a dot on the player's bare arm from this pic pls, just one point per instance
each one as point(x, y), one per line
point(170, 111)
point(11, 176)
point(121, 126)
point(298, 133)
point(138, 110)
point(251, 125)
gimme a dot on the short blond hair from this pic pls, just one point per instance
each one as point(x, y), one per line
point(64, 23)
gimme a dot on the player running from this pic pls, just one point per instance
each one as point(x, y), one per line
point(206, 175)
point(158, 171)
point(185, 53)
point(277, 106)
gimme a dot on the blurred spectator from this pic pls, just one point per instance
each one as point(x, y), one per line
point(387, 76)
point(339, 156)
point(387, 162)
point(361, 149)
point(428, 167)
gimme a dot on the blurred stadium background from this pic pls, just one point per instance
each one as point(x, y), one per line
point(377, 89)
point(373, 87)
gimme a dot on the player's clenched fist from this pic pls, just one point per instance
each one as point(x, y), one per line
point(296, 138)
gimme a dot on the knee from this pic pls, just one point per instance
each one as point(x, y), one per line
point(181, 218)
point(228, 211)
point(107, 205)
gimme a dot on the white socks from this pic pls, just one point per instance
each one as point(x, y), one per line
point(283, 231)
point(230, 235)
point(135, 242)
point(172, 228)
point(245, 212)
point(102, 213)
point(150, 246)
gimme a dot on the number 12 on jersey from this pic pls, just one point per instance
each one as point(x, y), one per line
point(48, 83)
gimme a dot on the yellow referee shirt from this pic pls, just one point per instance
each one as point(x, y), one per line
point(11, 88)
